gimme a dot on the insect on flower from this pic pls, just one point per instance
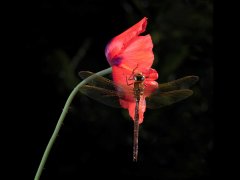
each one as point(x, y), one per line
point(109, 93)
point(134, 86)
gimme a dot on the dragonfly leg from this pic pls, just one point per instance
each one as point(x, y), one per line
point(131, 77)
point(134, 69)
point(129, 84)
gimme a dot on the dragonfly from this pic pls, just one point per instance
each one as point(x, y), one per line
point(109, 93)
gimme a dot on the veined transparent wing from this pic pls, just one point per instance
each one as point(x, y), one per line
point(106, 92)
point(107, 97)
point(98, 81)
point(156, 101)
point(171, 92)
point(182, 83)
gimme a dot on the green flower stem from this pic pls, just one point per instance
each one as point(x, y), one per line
point(61, 119)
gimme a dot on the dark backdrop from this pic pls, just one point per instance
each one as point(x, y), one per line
point(61, 39)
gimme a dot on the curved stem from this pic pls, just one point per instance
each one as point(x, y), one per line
point(60, 121)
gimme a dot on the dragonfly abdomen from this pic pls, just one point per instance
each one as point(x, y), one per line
point(138, 89)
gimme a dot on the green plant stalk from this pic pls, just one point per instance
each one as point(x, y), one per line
point(61, 119)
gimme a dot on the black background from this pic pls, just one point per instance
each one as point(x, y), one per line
point(96, 140)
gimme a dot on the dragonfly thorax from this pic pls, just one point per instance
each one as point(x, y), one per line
point(138, 85)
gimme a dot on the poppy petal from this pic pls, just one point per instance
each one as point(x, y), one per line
point(138, 54)
point(129, 53)
point(118, 44)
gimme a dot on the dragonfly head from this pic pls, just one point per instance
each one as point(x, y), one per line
point(139, 77)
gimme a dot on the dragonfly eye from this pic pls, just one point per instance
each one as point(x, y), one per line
point(139, 77)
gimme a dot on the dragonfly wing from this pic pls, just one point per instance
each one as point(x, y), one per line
point(158, 100)
point(182, 83)
point(102, 95)
point(98, 81)
point(123, 91)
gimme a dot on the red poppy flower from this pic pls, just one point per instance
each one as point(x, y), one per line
point(130, 52)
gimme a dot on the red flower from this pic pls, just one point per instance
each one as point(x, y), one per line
point(130, 52)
